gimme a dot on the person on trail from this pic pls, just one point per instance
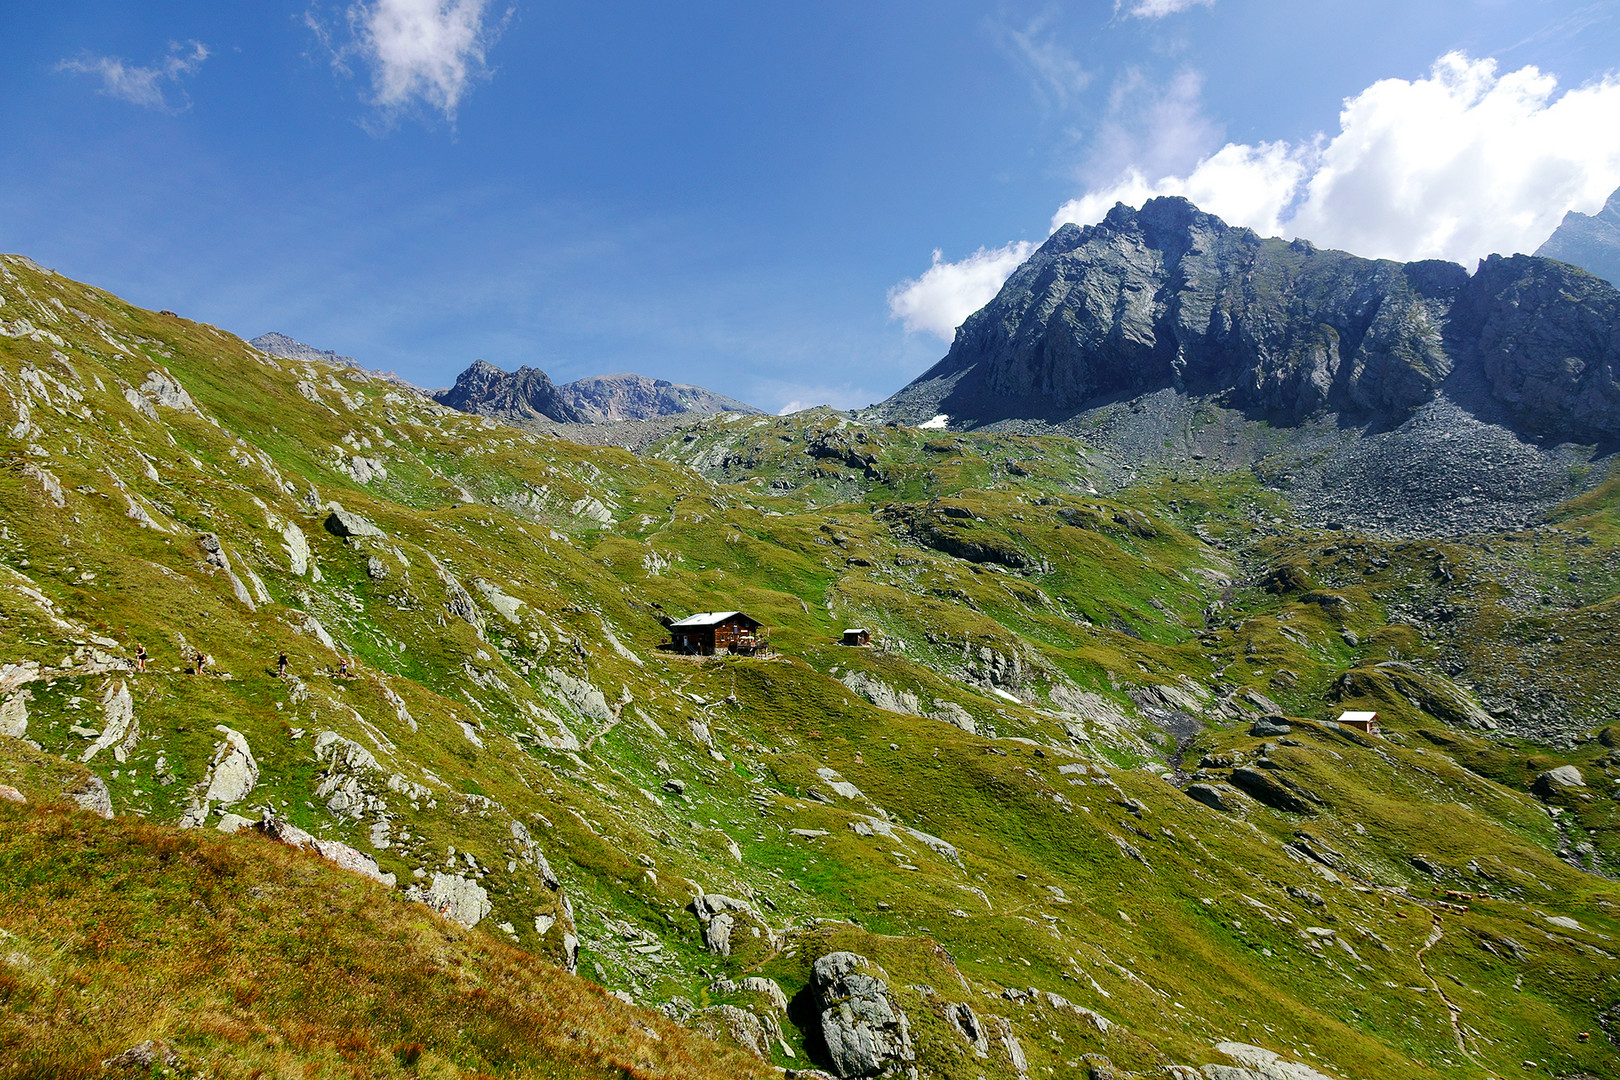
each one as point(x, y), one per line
point(343, 667)
point(202, 662)
point(281, 666)
point(140, 657)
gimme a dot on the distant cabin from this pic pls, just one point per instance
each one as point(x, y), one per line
point(1362, 721)
point(857, 636)
point(711, 632)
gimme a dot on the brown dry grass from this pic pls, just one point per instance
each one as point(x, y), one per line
point(254, 960)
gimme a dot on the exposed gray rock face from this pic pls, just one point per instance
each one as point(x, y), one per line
point(142, 1057)
point(1171, 297)
point(525, 394)
point(14, 714)
point(331, 850)
point(459, 898)
point(119, 730)
point(1258, 1063)
point(739, 1025)
point(865, 1032)
point(528, 394)
point(604, 399)
point(1590, 241)
point(966, 1022)
point(278, 344)
point(720, 916)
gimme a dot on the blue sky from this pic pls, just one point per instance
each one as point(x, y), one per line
point(749, 196)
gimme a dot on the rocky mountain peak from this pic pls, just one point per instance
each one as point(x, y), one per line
point(1590, 241)
point(528, 394)
point(1171, 297)
point(525, 394)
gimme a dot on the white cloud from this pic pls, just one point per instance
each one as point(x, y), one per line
point(419, 52)
point(1157, 130)
point(1057, 75)
point(1243, 185)
point(947, 292)
point(1158, 9)
point(142, 86)
point(1457, 165)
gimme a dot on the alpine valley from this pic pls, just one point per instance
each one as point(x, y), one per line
point(1174, 500)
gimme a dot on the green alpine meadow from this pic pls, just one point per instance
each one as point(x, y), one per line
point(1082, 805)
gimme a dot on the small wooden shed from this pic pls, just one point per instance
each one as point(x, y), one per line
point(710, 632)
point(1366, 722)
point(857, 635)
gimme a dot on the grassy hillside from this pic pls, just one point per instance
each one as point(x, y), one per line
point(245, 958)
point(992, 805)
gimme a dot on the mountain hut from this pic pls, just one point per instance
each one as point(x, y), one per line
point(857, 635)
point(1365, 722)
point(711, 632)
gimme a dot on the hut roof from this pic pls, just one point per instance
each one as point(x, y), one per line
point(710, 618)
point(1357, 717)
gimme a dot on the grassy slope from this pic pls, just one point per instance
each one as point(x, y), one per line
point(1002, 583)
point(250, 959)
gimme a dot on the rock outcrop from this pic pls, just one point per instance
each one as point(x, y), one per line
point(866, 1034)
point(283, 831)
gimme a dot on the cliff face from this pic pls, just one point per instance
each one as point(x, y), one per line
point(1590, 241)
point(1169, 297)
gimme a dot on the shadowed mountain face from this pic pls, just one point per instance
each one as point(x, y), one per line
point(1169, 297)
point(528, 394)
point(525, 394)
point(1590, 241)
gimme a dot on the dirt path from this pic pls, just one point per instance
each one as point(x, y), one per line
point(1453, 1012)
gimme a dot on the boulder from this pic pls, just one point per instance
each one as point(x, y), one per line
point(341, 522)
point(1258, 1063)
point(1268, 726)
point(1215, 796)
point(865, 1032)
point(92, 795)
point(1555, 780)
point(718, 915)
point(142, 1057)
point(233, 772)
point(11, 794)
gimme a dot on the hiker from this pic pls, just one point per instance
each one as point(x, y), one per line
point(343, 667)
point(281, 666)
point(140, 657)
point(202, 662)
